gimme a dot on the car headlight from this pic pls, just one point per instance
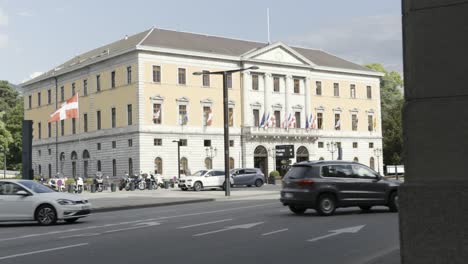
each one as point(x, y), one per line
point(66, 202)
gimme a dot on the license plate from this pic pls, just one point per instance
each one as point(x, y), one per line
point(288, 195)
point(85, 207)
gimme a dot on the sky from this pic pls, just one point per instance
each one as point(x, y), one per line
point(36, 36)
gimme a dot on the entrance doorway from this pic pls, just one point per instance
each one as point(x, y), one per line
point(261, 159)
point(302, 154)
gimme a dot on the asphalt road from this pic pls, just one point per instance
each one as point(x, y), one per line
point(259, 231)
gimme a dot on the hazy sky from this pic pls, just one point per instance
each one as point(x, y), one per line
point(37, 35)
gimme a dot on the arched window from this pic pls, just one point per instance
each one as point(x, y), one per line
point(62, 161)
point(98, 165)
point(158, 166)
point(231, 163)
point(74, 157)
point(372, 163)
point(208, 163)
point(85, 163)
point(184, 166)
point(114, 168)
point(130, 166)
point(356, 159)
point(302, 154)
point(321, 158)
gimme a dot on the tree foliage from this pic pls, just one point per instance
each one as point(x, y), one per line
point(392, 105)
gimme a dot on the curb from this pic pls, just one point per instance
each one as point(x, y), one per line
point(129, 207)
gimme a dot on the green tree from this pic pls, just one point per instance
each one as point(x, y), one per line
point(392, 105)
point(5, 138)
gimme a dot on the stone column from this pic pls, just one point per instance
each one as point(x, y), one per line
point(268, 89)
point(246, 111)
point(434, 198)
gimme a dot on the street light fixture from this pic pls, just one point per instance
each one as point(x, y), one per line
point(378, 153)
point(211, 152)
point(332, 147)
point(226, 119)
point(178, 157)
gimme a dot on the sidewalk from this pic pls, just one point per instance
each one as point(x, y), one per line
point(123, 200)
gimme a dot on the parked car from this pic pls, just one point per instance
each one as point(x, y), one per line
point(248, 177)
point(26, 200)
point(204, 179)
point(327, 185)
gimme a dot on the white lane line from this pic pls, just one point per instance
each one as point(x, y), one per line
point(274, 232)
point(42, 251)
point(284, 210)
point(207, 223)
point(81, 235)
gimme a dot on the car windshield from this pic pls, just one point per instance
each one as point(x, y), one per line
point(299, 172)
point(36, 187)
point(199, 173)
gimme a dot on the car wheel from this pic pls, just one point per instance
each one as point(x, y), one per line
point(297, 209)
point(393, 203)
point(71, 220)
point(365, 207)
point(197, 186)
point(249, 185)
point(326, 205)
point(46, 215)
point(184, 189)
point(258, 183)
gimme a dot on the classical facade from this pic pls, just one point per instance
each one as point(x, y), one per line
point(138, 95)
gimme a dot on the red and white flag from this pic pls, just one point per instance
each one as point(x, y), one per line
point(69, 109)
point(209, 120)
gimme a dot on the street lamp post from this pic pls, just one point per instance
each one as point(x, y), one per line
point(4, 150)
point(378, 153)
point(332, 148)
point(226, 120)
point(178, 157)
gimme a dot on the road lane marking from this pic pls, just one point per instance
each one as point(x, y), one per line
point(42, 251)
point(137, 226)
point(244, 226)
point(81, 235)
point(284, 210)
point(274, 232)
point(207, 223)
point(353, 229)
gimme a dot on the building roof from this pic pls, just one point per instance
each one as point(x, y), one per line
point(162, 38)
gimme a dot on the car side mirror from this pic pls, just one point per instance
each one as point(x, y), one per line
point(22, 193)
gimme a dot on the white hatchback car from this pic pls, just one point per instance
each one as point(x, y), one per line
point(204, 179)
point(25, 200)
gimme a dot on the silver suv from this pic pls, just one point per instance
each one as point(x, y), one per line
point(248, 177)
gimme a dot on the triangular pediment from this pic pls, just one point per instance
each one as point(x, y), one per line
point(277, 53)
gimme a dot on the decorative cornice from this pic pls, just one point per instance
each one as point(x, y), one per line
point(182, 99)
point(157, 98)
point(256, 105)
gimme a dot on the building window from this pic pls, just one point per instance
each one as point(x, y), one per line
point(207, 143)
point(370, 123)
point(184, 166)
point(355, 145)
point(113, 117)
point(156, 74)
point(207, 116)
point(338, 145)
point(297, 86)
point(113, 79)
point(73, 89)
point(129, 74)
point(320, 120)
point(157, 113)
point(85, 122)
point(369, 92)
point(73, 126)
point(98, 165)
point(277, 121)
point(255, 82)
point(62, 127)
point(320, 145)
point(39, 153)
point(231, 163)
point(354, 122)
point(371, 144)
point(114, 144)
point(256, 115)
point(297, 115)
point(276, 84)
point(98, 115)
point(318, 88)
point(356, 159)
point(208, 163)
point(337, 122)
point(49, 130)
point(231, 143)
point(49, 151)
point(158, 166)
point(353, 91)
point(181, 76)
point(98, 146)
point(40, 169)
point(39, 130)
point(85, 87)
point(336, 89)
point(130, 166)
point(372, 163)
point(50, 170)
point(229, 80)
point(114, 168)
point(98, 83)
point(206, 79)
point(30, 102)
point(38, 99)
point(130, 143)
point(183, 119)
point(183, 142)
point(62, 94)
point(158, 142)
point(129, 115)
point(231, 117)
point(49, 96)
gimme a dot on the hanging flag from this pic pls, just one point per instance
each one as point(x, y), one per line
point(272, 121)
point(157, 114)
point(262, 123)
point(338, 123)
point(314, 122)
point(67, 110)
point(292, 121)
point(307, 126)
point(285, 121)
point(209, 120)
point(267, 121)
point(375, 122)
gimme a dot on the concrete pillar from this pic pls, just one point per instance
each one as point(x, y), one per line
point(267, 95)
point(434, 198)
point(247, 111)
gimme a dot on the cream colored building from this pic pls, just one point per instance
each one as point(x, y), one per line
point(139, 94)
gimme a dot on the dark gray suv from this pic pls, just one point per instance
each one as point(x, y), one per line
point(327, 185)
